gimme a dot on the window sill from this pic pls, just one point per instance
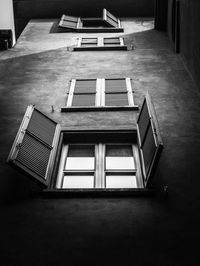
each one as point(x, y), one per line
point(96, 108)
point(133, 192)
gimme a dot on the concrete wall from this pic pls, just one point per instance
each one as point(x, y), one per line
point(101, 231)
point(7, 16)
point(190, 37)
point(55, 8)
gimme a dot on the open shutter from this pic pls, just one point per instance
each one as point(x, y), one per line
point(34, 147)
point(69, 22)
point(110, 19)
point(150, 142)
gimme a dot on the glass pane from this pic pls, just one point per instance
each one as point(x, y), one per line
point(125, 181)
point(79, 163)
point(120, 163)
point(80, 157)
point(78, 182)
point(119, 150)
point(83, 100)
point(119, 157)
point(116, 99)
point(80, 150)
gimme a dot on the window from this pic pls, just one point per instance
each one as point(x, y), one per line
point(63, 160)
point(100, 43)
point(107, 23)
point(100, 93)
point(99, 165)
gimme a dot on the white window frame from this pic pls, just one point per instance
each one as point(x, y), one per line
point(99, 167)
point(100, 46)
point(99, 95)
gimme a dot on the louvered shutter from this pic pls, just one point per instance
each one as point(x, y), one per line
point(34, 147)
point(69, 22)
point(110, 19)
point(150, 142)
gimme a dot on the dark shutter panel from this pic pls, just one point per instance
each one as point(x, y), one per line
point(116, 99)
point(34, 147)
point(68, 22)
point(115, 85)
point(85, 42)
point(150, 142)
point(111, 41)
point(85, 86)
point(110, 19)
point(83, 100)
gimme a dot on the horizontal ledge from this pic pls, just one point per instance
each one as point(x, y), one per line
point(86, 30)
point(98, 192)
point(101, 48)
point(88, 109)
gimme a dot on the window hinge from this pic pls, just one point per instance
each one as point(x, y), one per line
point(18, 146)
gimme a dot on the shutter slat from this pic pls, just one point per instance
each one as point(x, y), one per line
point(111, 19)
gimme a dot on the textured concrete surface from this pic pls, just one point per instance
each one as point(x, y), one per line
point(120, 231)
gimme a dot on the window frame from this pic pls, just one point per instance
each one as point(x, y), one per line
point(100, 46)
point(57, 136)
point(80, 21)
point(99, 170)
point(100, 97)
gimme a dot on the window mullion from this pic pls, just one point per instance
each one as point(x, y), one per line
point(129, 92)
point(100, 42)
point(79, 44)
point(121, 41)
point(103, 154)
point(98, 93)
point(139, 179)
point(63, 157)
point(103, 94)
point(71, 93)
point(97, 181)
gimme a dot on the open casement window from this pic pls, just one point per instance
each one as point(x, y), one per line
point(33, 150)
point(99, 165)
point(99, 93)
point(100, 43)
point(149, 139)
point(107, 23)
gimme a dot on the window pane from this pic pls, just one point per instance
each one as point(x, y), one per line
point(121, 181)
point(80, 157)
point(119, 150)
point(115, 85)
point(117, 99)
point(80, 150)
point(78, 182)
point(120, 163)
point(119, 157)
point(83, 100)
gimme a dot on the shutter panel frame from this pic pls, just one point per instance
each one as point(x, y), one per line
point(21, 135)
point(111, 19)
point(153, 128)
point(70, 20)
